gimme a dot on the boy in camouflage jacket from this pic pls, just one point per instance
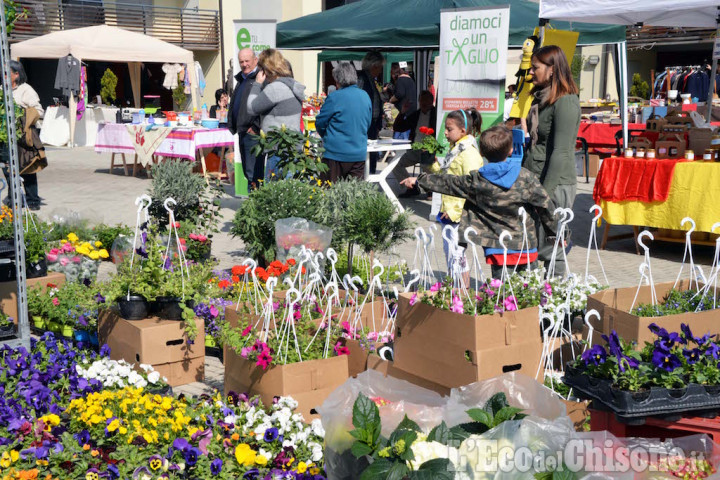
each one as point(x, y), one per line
point(493, 195)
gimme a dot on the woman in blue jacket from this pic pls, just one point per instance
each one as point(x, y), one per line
point(343, 124)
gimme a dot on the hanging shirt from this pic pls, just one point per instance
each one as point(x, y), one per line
point(171, 71)
point(67, 78)
point(200, 78)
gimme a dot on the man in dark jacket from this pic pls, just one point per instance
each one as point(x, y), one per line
point(372, 68)
point(240, 121)
point(425, 116)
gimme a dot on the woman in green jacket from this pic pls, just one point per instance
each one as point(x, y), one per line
point(553, 124)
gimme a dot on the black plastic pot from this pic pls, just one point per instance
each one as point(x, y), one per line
point(166, 390)
point(136, 308)
point(7, 270)
point(36, 270)
point(7, 331)
point(169, 307)
point(7, 248)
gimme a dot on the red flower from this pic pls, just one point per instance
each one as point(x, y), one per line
point(51, 285)
point(224, 283)
point(423, 130)
point(239, 270)
point(291, 262)
point(341, 350)
point(429, 131)
point(235, 279)
point(176, 224)
point(182, 241)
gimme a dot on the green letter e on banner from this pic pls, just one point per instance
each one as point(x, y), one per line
point(243, 38)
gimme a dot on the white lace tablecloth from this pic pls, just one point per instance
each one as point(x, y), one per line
point(182, 142)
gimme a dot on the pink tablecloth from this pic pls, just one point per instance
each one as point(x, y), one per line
point(182, 142)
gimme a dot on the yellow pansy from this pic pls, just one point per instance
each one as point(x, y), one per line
point(114, 425)
point(261, 460)
point(98, 244)
point(302, 467)
point(72, 237)
point(245, 455)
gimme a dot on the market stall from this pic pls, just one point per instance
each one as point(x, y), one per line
point(56, 125)
point(105, 43)
point(176, 142)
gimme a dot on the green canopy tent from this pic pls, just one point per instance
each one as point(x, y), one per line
point(357, 55)
point(414, 25)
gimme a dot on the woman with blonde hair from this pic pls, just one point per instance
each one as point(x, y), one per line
point(276, 97)
point(553, 124)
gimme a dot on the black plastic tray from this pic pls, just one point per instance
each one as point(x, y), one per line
point(214, 352)
point(634, 408)
point(7, 332)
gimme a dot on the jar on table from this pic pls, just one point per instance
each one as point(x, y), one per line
point(650, 153)
point(709, 155)
point(689, 155)
point(629, 153)
point(640, 153)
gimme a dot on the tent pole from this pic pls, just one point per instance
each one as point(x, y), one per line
point(622, 50)
point(713, 76)
point(317, 86)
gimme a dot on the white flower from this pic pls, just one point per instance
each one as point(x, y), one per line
point(424, 451)
point(153, 377)
point(317, 451)
point(230, 419)
point(147, 368)
point(317, 428)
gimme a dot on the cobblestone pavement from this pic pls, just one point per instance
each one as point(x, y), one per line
point(79, 180)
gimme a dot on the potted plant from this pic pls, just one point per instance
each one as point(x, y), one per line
point(35, 245)
point(108, 87)
point(78, 259)
point(283, 142)
point(7, 326)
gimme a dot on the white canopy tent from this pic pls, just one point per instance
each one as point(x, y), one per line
point(109, 44)
point(661, 13)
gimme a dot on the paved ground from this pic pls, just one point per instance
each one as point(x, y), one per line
point(79, 180)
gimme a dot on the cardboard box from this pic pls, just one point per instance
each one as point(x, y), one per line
point(670, 145)
point(453, 350)
point(699, 140)
point(563, 350)
point(160, 343)
point(617, 303)
point(309, 382)
point(8, 291)
point(373, 315)
point(594, 164)
point(578, 413)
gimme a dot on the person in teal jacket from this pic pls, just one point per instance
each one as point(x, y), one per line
point(343, 124)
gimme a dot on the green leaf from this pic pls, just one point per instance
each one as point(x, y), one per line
point(481, 416)
point(408, 424)
point(378, 469)
point(496, 403)
point(398, 471)
point(505, 414)
point(366, 418)
point(440, 434)
point(437, 468)
point(458, 434)
point(564, 475)
point(360, 449)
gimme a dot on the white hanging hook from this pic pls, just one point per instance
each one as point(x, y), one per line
point(447, 233)
point(351, 281)
point(288, 281)
point(167, 202)
point(271, 283)
point(420, 234)
point(646, 234)
point(715, 225)
point(551, 320)
point(250, 263)
point(588, 316)
point(292, 292)
point(395, 292)
point(598, 212)
point(415, 279)
point(505, 234)
point(522, 213)
point(377, 264)
point(692, 224)
point(569, 215)
point(562, 212)
point(346, 281)
point(468, 231)
point(331, 255)
point(140, 202)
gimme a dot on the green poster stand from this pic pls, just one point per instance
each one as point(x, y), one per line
point(241, 183)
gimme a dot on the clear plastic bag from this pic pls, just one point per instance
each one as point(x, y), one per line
point(397, 398)
point(292, 233)
point(521, 391)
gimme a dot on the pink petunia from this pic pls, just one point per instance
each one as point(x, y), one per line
point(413, 299)
point(264, 359)
point(246, 331)
point(202, 238)
point(64, 261)
point(55, 301)
point(193, 236)
point(52, 258)
point(76, 259)
point(54, 251)
point(496, 283)
point(510, 303)
point(436, 287)
point(245, 352)
point(214, 312)
point(457, 305)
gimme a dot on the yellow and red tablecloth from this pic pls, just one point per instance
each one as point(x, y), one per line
point(694, 192)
